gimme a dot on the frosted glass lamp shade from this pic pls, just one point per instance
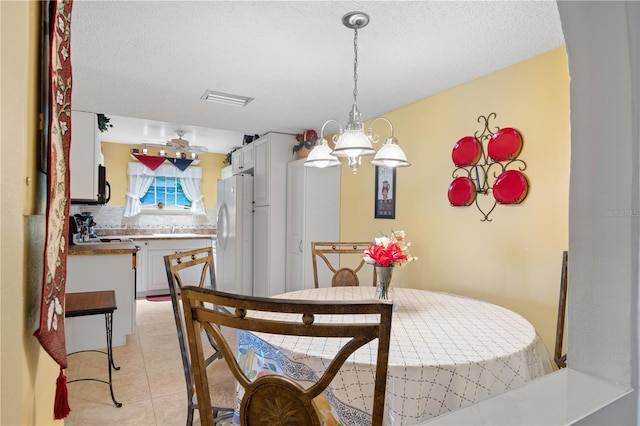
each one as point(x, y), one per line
point(321, 157)
point(390, 155)
point(353, 143)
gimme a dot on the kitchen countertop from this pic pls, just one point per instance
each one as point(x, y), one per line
point(125, 244)
point(159, 236)
point(85, 249)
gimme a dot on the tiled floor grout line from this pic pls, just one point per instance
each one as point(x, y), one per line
point(91, 405)
point(146, 376)
point(146, 370)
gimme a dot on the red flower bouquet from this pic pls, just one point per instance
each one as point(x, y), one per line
point(386, 253)
point(389, 251)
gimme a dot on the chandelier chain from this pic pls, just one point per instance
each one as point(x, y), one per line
point(355, 65)
point(353, 142)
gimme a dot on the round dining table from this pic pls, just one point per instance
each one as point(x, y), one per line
point(447, 352)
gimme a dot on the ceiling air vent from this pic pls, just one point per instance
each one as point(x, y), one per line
point(225, 98)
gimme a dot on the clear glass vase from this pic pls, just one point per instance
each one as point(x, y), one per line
point(383, 289)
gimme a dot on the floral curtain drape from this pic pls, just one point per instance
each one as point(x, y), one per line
point(50, 333)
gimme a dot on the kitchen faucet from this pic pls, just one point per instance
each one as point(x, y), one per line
point(173, 228)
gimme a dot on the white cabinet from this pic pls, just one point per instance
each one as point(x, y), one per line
point(151, 261)
point(85, 155)
point(141, 271)
point(262, 173)
point(262, 269)
point(313, 214)
point(98, 272)
point(242, 160)
point(226, 172)
point(156, 273)
point(272, 153)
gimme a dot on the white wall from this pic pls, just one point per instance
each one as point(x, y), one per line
point(603, 47)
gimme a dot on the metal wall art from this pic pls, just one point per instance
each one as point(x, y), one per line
point(495, 170)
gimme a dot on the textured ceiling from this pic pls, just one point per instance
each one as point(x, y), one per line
point(147, 63)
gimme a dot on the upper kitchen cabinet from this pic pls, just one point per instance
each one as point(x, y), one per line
point(272, 152)
point(242, 160)
point(85, 157)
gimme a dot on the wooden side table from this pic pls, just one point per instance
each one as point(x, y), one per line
point(95, 303)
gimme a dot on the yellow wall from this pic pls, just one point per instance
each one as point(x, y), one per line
point(515, 259)
point(28, 373)
point(116, 157)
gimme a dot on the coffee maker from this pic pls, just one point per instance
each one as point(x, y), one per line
point(81, 228)
point(87, 217)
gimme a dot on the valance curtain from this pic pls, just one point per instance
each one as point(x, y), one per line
point(141, 177)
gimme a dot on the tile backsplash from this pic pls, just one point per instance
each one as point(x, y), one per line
point(111, 221)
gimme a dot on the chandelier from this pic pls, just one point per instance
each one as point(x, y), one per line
point(353, 142)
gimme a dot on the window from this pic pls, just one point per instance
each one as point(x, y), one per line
point(164, 189)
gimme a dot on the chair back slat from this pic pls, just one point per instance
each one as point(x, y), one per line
point(209, 310)
point(193, 267)
point(332, 254)
point(558, 357)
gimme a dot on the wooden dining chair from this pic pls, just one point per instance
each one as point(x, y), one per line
point(331, 255)
point(196, 267)
point(277, 399)
point(558, 357)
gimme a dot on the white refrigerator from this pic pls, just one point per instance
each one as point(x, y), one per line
point(234, 235)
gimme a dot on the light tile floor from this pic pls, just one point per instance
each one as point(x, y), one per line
point(150, 383)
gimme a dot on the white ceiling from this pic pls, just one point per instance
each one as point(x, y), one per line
point(145, 64)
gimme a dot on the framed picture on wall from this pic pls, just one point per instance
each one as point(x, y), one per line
point(385, 205)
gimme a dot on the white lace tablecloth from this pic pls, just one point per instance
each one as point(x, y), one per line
point(446, 352)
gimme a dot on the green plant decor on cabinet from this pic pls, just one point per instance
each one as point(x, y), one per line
point(227, 159)
point(104, 123)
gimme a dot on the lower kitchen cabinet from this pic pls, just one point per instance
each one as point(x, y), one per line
point(141, 271)
point(262, 265)
point(152, 275)
point(98, 272)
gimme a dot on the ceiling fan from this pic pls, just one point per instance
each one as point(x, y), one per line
point(177, 144)
point(182, 145)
